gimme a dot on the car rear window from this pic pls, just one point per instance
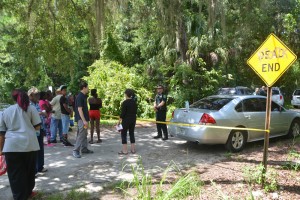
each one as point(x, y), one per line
point(224, 91)
point(297, 92)
point(274, 91)
point(211, 103)
point(233, 91)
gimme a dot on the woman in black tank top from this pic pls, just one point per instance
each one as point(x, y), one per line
point(94, 112)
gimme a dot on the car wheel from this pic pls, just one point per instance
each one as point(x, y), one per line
point(294, 129)
point(236, 141)
point(295, 106)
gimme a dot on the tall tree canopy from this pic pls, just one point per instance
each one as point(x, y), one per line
point(191, 46)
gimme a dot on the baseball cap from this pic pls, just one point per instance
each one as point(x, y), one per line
point(61, 88)
point(32, 90)
point(159, 86)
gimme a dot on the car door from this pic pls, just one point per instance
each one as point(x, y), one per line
point(254, 113)
point(279, 120)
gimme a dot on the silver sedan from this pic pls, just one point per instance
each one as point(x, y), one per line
point(232, 111)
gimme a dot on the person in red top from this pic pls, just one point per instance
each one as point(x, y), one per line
point(94, 113)
point(46, 107)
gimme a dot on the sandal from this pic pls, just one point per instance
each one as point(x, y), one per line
point(122, 153)
point(99, 141)
point(91, 142)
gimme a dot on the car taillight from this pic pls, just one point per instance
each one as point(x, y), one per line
point(172, 114)
point(280, 97)
point(207, 119)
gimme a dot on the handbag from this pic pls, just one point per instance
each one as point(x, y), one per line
point(3, 166)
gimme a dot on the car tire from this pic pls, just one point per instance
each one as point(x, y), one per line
point(236, 141)
point(295, 106)
point(294, 130)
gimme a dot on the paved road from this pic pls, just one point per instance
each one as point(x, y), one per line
point(93, 171)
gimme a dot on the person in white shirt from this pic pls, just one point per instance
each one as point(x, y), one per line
point(18, 126)
point(56, 122)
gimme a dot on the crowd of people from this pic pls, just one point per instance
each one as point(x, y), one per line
point(37, 115)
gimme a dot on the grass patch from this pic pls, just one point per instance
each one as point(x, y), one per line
point(293, 154)
point(253, 175)
point(228, 154)
point(188, 185)
point(72, 195)
point(291, 166)
point(108, 122)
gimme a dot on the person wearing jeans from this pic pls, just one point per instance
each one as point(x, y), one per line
point(82, 118)
point(54, 125)
point(65, 115)
point(56, 117)
point(34, 96)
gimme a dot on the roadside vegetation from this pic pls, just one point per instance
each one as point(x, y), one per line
point(192, 47)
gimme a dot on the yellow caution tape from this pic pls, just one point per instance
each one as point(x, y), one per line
point(194, 125)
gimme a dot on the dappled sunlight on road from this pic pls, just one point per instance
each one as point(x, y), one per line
point(105, 166)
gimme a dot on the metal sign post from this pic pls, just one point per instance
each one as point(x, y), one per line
point(270, 61)
point(267, 127)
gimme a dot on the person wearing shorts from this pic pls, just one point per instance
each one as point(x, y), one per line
point(94, 113)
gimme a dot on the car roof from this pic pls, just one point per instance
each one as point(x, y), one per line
point(237, 96)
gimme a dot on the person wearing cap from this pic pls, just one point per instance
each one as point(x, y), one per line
point(34, 97)
point(160, 107)
point(56, 122)
point(66, 111)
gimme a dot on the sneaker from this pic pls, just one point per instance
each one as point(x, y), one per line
point(76, 154)
point(53, 141)
point(164, 138)
point(43, 170)
point(156, 137)
point(87, 151)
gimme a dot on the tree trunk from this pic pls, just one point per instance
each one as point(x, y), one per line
point(181, 39)
point(100, 20)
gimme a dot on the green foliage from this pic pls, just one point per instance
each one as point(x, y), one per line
point(192, 47)
point(71, 195)
point(188, 185)
point(111, 50)
point(111, 79)
point(254, 175)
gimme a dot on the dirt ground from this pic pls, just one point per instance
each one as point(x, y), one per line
point(221, 172)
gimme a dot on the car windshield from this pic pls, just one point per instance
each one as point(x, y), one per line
point(211, 103)
point(297, 92)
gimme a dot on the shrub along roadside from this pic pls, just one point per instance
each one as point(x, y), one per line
point(187, 185)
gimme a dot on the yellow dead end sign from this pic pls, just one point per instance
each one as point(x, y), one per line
point(271, 60)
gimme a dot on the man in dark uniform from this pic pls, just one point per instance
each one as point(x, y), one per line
point(160, 107)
